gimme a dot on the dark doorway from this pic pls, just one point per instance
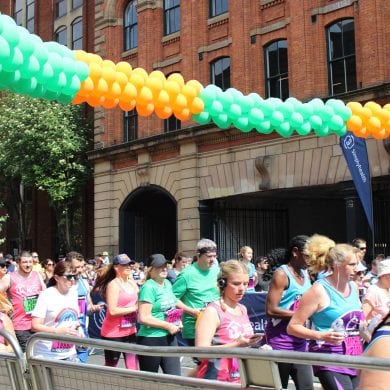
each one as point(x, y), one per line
point(148, 223)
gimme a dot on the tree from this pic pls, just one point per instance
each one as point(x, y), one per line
point(43, 145)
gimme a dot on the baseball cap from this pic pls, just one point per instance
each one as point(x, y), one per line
point(156, 260)
point(384, 267)
point(122, 259)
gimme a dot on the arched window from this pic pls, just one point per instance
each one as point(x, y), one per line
point(130, 24)
point(60, 36)
point(171, 16)
point(218, 7)
point(276, 69)
point(341, 56)
point(220, 73)
point(77, 34)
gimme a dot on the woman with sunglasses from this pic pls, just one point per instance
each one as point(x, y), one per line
point(57, 312)
point(121, 295)
point(48, 270)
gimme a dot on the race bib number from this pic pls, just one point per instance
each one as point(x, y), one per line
point(57, 346)
point(353, 346)
point(174, 316)
point(129, 320)
point(29, 303)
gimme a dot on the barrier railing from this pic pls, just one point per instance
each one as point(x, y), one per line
point(258, 368)
point(13, 372)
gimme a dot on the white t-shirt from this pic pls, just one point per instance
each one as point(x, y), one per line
point(56, 309)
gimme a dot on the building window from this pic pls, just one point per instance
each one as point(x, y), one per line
point(341, 56)
point(220, 73)
point(171, 16)
point(77, 3)
point(276, 69)
point(77, 34)
point(30, 15)
point(218, 7)
point(18, 12)
point(130, 125)
point(172, 124)
point(60, 8)
point(61, 36)
point(130, 26)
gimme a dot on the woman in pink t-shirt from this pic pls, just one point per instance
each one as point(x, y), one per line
point(121, 294)
point(225, 323)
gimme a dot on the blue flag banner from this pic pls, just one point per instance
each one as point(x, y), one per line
point(355, 153)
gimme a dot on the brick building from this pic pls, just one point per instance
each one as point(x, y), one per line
point(160, 185)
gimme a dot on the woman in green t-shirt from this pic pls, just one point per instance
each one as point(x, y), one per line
point(159, 316)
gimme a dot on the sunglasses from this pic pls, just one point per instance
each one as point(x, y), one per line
point(71, 277)
point(3, 265)
point(50, 264)
point(363, 248)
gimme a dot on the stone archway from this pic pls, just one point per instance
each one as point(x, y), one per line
point(148, 223)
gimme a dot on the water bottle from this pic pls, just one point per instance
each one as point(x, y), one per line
point(374, 323)
point(338, 326)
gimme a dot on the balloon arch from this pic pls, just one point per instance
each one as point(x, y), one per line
point(51, 71)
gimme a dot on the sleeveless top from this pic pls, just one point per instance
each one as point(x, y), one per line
point(349, 310)
point(24, 292)
point(124, 325)
point(382, 331)
point(230, 328)
point(276, 330)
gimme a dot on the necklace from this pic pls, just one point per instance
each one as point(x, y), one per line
point(296, 273)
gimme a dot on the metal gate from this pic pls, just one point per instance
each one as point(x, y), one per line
point(261, 229)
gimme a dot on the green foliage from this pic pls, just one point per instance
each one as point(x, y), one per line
point(43, 145)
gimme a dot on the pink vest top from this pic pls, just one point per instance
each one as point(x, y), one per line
point(24, 294)
point(120, 326)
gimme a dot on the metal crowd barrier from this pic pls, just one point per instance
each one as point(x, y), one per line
point(258, 368)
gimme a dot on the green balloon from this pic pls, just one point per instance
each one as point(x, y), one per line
point(5, 50)
point(202, 118)
point(234, 111)
point(243, 124)
point(305, 129)
point(255, 116)
point(322, 132)
point(285, 130)
point(277, 118)
point(264, 127)
point(222, 121)
point(216, 108)
point(315, 122)
point(296, 120)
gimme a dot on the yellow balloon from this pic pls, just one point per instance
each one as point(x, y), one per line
point(180, 102)
point(354, 123)
point(95, 71)
point(145, 96)
point(365, 114)
point(162, 99)
point(374, 107)
point(197, 105)
point(102, 87)
point(129, 93)
point(374, 125)
point(115, 91)
point(176, 77)
point(87, 85)
point(141, 72)
point(155, 84)
point(189, 92)
point(137, 80)
point(355, 107)
point(158, 75)
point(195, 84)
point(108, 74)
point(124, 67)
point(121, 78)
point(173, 89)
point(109, 64)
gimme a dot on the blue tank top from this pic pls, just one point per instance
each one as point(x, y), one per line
point(276, 331)
point(349, 310)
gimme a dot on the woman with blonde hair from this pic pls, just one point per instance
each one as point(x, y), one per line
point(246, 255)
point(225, 323)
point(333, 306)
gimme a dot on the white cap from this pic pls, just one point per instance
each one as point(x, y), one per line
point(384, 267)
point(360, 267)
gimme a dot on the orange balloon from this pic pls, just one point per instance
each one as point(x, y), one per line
point(129, 93)
point(197, 105)
point(94, 101)
point(183, 115)
point(382, 134)
point(87, 86)
point(125, 106)
point(162, 99)
point(384, 116)
point(354, 123)
point(124, 67)
point(145, 96)
point(374, 125)
point(163, 112)
point(365, 114)
point(110, 103)
point(362, 133)
point(145, 110)
point(79, 99)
